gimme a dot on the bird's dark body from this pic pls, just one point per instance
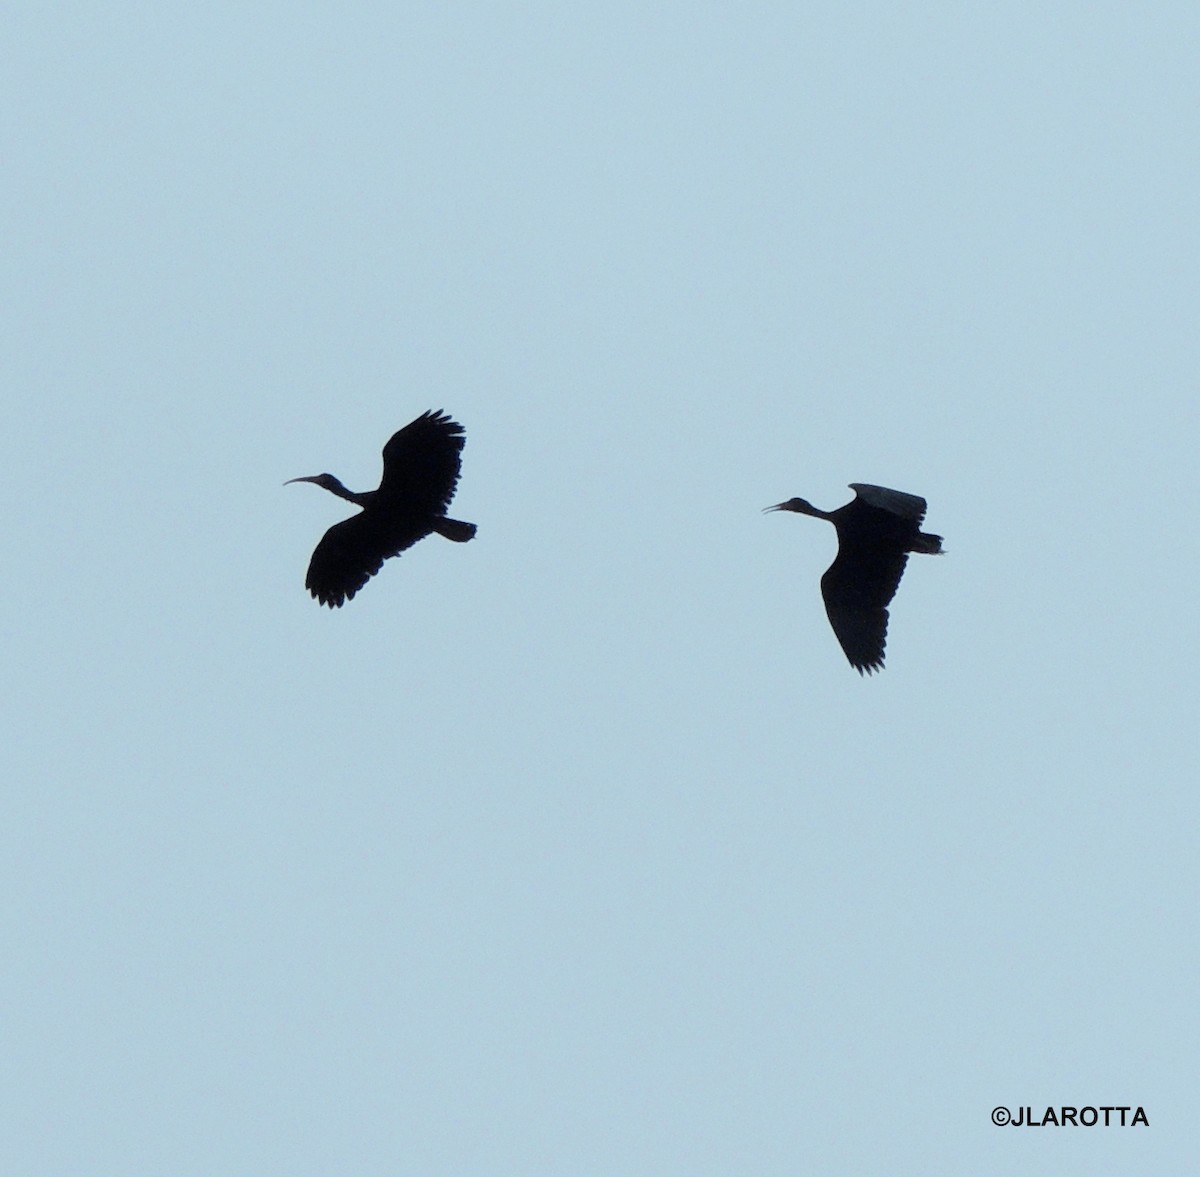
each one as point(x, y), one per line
point(420, 472)
point(876, 532)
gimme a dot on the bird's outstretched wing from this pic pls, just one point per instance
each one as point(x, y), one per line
point(421, 464)
point(895, 502)
point(353, 551)
point(857, 589)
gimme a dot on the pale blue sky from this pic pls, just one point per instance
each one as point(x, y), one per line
point(580, 849)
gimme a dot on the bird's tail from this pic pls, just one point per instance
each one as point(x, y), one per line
point(928, 543)
point(454, 529)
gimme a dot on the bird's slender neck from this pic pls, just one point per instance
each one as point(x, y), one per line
point(334, 486)
point(361, 497)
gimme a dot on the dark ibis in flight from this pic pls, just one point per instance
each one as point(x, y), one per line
point(875, 534)
point(420, 471)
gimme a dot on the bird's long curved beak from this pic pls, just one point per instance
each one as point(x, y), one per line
point(306, 478)
point(777, 507)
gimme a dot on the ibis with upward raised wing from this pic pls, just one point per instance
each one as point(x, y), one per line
point(420, 471)
point(876, 532)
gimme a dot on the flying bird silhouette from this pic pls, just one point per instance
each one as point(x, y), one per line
point(420, 471)
point(875, 533)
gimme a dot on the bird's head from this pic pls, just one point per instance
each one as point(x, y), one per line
point(800, 506)
point(334, 486)
point(325, 481)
